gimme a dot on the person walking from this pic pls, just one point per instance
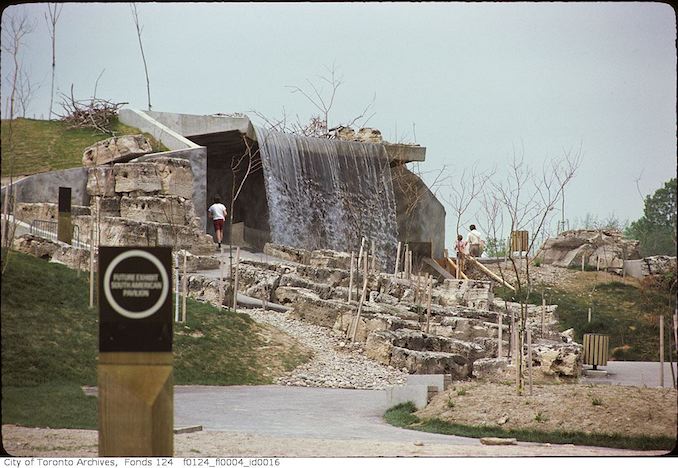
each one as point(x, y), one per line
point(474, 241)
point(461, 247)
point(217, 212)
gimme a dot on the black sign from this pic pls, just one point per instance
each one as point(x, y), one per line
point(135, 299)
point(64, 199)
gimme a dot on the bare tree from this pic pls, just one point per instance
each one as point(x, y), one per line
point(14, 29)
point(466, 189)
point(135, 16)
point(54, 11)
point(25, 92)
point(527, 200)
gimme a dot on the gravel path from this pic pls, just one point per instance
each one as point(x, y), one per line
point(334, 363)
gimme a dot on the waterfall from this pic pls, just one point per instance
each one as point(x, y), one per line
point(328, 194)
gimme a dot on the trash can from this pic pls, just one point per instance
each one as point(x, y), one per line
point(596, 349)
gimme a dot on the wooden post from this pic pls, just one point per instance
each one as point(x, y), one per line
point(589, 315)
point(373, 268)
point(221, 279)
point(91, 263)
point(350, 280)
point(360, 252)
point(661, 350)
point(543, 316)
point(597, 263)
point(512, 336)
point(490, 273)
point(176, 286)
point(397, 260)
point(184, 288)
point(500, 333)
point(360, 304)
point(235, 282)
point(529, 358)
point(582, 261)
point(428, 305)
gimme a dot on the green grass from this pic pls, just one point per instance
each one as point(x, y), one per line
point(403, 416)
point(625, 312)
point(47, 145)
point(50, 346)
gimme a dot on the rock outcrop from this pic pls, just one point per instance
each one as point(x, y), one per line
point(117, 149)
point(604, 249)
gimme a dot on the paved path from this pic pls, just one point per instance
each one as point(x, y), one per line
point(634, 373)
point(316, 413)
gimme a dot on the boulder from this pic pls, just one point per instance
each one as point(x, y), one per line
point(176, 176)
point(286, 252)
point(309, 307)
point(558, 359)
point(76, 259)
point(329, 259)
point(369, 135)
point(427, 362)
point(658, 264)
point(117, 149)
point(379, 346)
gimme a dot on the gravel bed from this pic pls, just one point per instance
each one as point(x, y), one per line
point(335, 364)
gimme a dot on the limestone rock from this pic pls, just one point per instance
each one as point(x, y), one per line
point(329, 259)
point(488, 368)
point(658, 264)
point(76, 259)
point(168, 209)
point(137, 178)
point(497, 441)
point(369, 135)
point(101, 181)
point(287, 253)
point(117, 149)
point(599, 248)
point(176, 176)
point(36, 246)
point(558, 359)
point(379, 346)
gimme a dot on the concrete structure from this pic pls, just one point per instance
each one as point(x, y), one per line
point(211, 143)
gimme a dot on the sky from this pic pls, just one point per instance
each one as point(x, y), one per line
point(475, 83)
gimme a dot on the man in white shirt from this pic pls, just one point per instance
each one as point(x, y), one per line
point(474, 241)
point(217, 212)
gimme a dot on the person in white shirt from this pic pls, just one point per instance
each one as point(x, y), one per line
point(217, 212)
point(474, 241)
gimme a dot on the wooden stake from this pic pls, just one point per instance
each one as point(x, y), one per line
point(360, 252)
point(529, 357)
point(661, 350)
point(91, 263)
point(184, 288)
point(235, 282)
point(395, 273)
point(360, 304)
point(589, 315)
point(176, 286)
point(543, 317)
point(350, 281)
point(221, 279)
point(374, 257)
point(428, 306)
point(582, 262)
point(597, 263)
point(500, 333)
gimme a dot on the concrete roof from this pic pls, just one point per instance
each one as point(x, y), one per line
point(206, 128)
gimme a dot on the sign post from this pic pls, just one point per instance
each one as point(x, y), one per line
point(134, 373)
point(64, 221)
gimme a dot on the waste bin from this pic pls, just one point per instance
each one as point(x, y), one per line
point(596, 349)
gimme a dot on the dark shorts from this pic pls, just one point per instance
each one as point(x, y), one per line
point(218, 224)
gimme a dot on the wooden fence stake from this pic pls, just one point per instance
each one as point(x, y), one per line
point(582, 262)
point(374, 257)
point(350, 281)
point(529, 357)
point(428, 305)
point(397, 265)
point(184, 288)
point(221, 279)
point(360, 304)
point(91, 263)
point(543, 317)
point(235, 283)
point(661, 350)
point(360, 253)
point(499, 334)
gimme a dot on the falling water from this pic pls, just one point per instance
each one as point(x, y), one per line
point(328, 194)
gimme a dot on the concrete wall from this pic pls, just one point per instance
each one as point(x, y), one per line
point(44, 187)
point(419, 214)
point(192, 125)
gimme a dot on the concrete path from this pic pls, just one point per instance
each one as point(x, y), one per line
point(636, 373)
point(316, 413)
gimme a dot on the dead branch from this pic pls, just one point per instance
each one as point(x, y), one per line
point(95, 113)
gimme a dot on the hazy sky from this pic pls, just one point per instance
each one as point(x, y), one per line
point(472, 81)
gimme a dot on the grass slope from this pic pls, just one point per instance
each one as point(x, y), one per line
point(627, 313)
point(48, 145)
point(402, 416)
point(50, 346)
